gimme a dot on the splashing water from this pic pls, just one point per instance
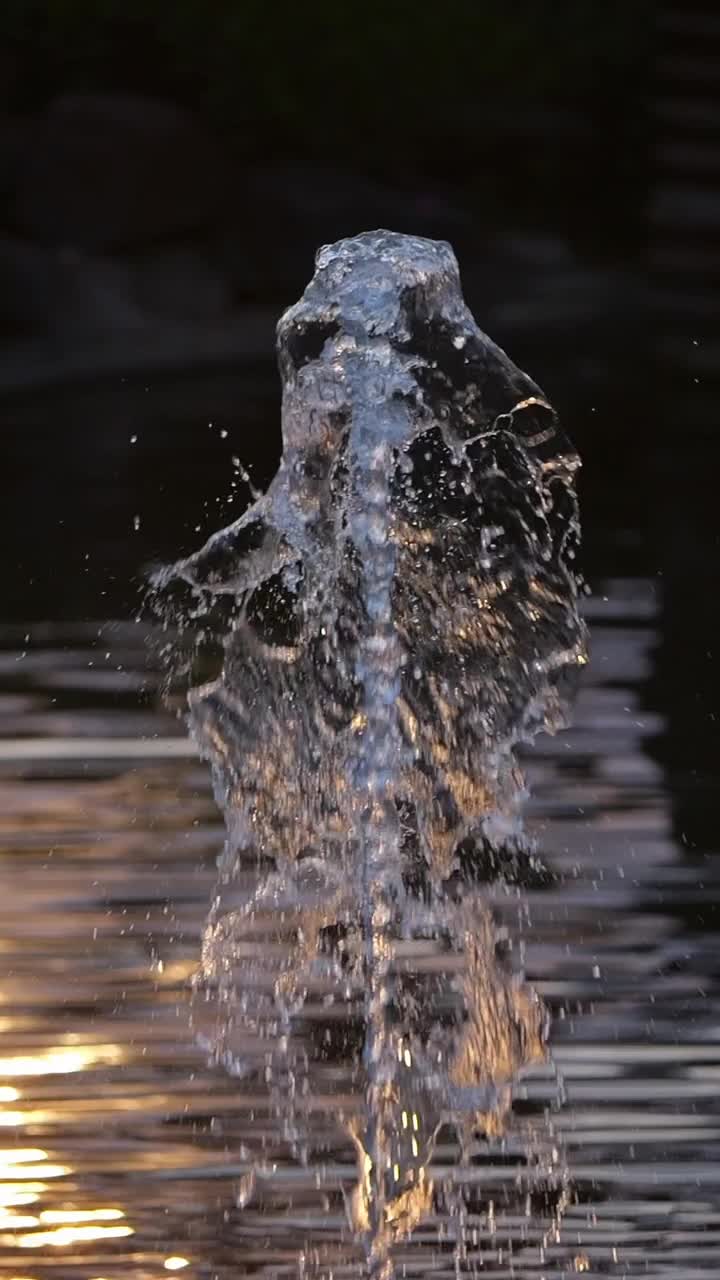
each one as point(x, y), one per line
point(400, 613)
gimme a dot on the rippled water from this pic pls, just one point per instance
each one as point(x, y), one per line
point(125, 1155)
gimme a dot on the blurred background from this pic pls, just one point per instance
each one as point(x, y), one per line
point(167, 172)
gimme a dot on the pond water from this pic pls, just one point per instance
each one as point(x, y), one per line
point(125, 1155)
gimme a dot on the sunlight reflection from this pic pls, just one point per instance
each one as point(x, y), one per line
point(12, 1196)
point(20, 1163)
point(174, 971)
point(73, 1226)
point(15, 1119)
point(176, 1263)
point(59, 1217)
point(61, 1061)
point(63, 1236)
point(21, 1155)
point(48, 1228)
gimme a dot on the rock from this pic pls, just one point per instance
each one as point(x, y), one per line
point(107, 171)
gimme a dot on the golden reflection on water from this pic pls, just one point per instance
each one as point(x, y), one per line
point(20, 1163)
point(63, 1060)
point(63, 1217)
point(12, 1198)
point(174, 971)
point(48, 1228)
point(70, 1226)
point(64, 1236)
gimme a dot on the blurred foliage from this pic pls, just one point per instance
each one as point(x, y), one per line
point(323, 72)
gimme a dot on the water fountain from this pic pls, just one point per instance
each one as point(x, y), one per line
point(399, 613)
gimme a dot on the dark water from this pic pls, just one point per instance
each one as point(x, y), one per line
point(125, 1155)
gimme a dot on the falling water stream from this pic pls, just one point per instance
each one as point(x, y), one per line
point(395, 615)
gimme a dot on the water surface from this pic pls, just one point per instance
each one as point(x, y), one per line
point(124, 1154)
